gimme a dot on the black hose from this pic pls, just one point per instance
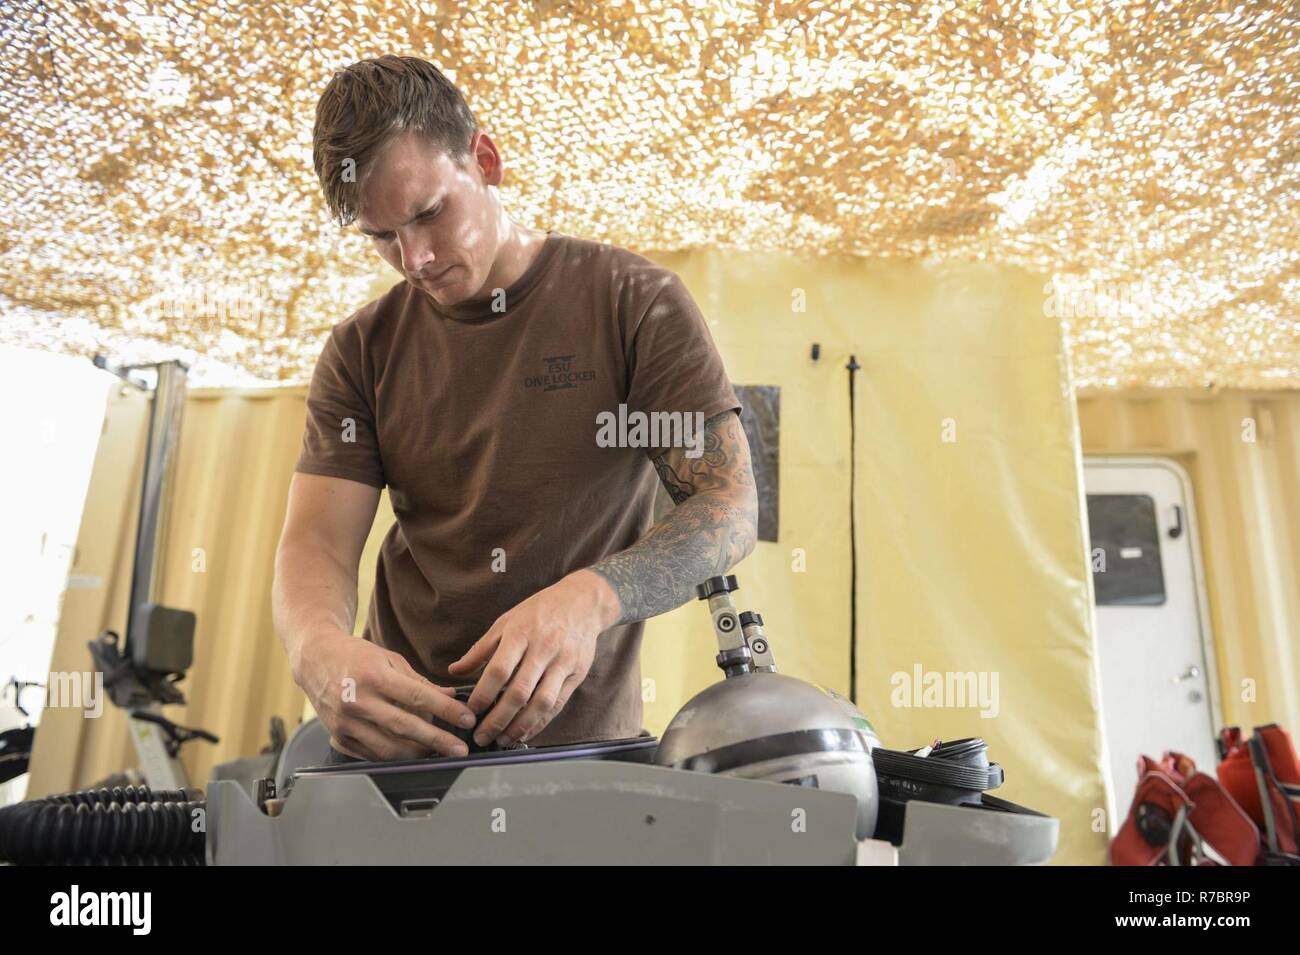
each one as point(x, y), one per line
point(173, 860)
point(117, 825)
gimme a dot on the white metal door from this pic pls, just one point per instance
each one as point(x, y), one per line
point(1158, 687)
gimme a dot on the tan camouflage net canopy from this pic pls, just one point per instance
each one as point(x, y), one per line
point(158, 196)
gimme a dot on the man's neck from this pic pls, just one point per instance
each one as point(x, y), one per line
point(516, 254)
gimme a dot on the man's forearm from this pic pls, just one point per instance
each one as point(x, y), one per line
point(313, 592)
point(703, 536)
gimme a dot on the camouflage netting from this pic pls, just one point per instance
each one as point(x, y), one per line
point(158, 197)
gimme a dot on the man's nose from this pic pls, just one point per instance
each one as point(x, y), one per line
point(417, 256)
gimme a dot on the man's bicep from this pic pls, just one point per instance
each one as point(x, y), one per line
point(332, 513)
point(340, 438)
point(723, 464)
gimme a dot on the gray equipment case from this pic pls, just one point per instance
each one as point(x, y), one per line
point(590, 811)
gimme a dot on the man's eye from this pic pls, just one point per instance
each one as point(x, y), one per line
point(388, 236)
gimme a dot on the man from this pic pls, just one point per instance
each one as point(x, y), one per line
point(522, 558)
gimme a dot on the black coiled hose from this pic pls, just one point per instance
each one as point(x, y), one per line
point(176, 860)
point(116, 825)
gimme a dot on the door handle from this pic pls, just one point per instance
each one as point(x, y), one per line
point(1191, 673)
point(1176, 531)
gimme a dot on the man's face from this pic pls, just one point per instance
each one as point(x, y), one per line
point(432, 220)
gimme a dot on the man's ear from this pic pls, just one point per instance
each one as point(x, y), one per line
point(483, 152)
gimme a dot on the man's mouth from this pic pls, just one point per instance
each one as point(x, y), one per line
point(438, 279)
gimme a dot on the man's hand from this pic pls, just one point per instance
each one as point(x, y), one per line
point(374, 704)
point(535, 655)
point(370, 699)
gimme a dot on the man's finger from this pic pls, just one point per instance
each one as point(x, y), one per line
point(514, 694)
point(361, 736)
point(496, 672)
point(417, 695)
point(477, 655)
point(346, 750)
point(534, 717)
point(404, 727)
point(403, 665)
point(571, 683)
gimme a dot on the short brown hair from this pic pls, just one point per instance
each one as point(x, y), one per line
point(368, 105)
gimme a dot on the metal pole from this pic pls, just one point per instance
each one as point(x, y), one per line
point(155, 498)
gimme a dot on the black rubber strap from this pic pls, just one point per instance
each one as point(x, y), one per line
point(937, 772)
point(798, 743)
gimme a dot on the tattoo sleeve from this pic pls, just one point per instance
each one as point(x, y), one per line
point(713, 526)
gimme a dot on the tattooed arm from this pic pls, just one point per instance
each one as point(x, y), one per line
point(712, 527)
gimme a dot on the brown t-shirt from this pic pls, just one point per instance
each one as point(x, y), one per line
point(483, 426)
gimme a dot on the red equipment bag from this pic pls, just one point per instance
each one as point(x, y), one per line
point(1181, 816)
point(1263, 775)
